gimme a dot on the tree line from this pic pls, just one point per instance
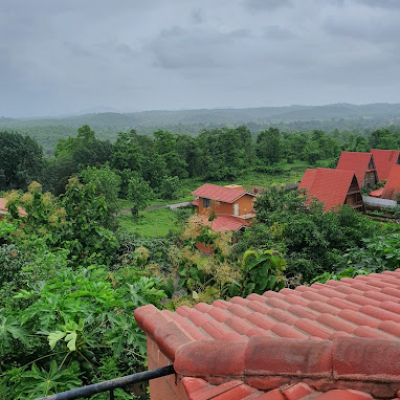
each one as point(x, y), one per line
point(159, 162)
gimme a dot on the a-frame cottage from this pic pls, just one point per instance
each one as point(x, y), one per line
point(362, 164)
point(332, 187)
point(392, 188)
point(384, 161)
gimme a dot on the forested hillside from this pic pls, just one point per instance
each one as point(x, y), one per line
point(362, 119)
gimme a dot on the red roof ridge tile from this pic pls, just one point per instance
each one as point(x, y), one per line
point(342, 359)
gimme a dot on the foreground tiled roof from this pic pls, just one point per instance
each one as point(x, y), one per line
point(3, 207)
point(200, 389)
point(338, 340)
point(220, 193)
point(222, 223)
point(329, 186)
point(384, 160)
point(356, 162)
point(392, 186)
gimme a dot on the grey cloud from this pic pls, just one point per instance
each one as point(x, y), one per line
point(198, 16)
point(267, 5)
point(365, 30)
point(275, 32)
point(58, 57)
point(390, 4)
point(177, 48)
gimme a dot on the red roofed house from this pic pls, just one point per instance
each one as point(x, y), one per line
point(384, 161)
point(362, 164)
point(3, 209)
point(392, 186)
point(232, 206)
point(333, 188)
point(332, 341)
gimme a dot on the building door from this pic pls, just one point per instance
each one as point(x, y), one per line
point(236, 210)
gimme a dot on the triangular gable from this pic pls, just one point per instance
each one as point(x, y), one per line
point(384, 161)
point(329, 186)
point(392, 187)
point(359, 163)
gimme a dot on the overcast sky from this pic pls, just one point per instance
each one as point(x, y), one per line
point(61, 57)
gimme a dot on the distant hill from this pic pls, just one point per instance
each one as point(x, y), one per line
point(341, 116)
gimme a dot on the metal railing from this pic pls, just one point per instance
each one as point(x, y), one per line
point(110, 386)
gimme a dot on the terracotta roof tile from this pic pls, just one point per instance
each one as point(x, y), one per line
point(220, 193)
point(377, 193)
point(329, 186)
point(295, 337)
point(355, 162)
point(222, 223)
point(392, 186)
point(384, 160)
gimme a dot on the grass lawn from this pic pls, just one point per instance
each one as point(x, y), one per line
point(155, 223)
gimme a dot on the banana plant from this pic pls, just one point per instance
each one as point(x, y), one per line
point(262, 270)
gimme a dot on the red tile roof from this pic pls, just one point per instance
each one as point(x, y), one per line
point(332, 339)
point(3, 207)
point(384, 160)
point(199, 389)
point(329, 186)
point(220, 193)
point(222, 223)
point(377, 193)
point(356, 162)
point(392, 186)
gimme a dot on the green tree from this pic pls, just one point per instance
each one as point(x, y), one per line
point(269, 147)
point(107, 184)
point(139, 193)
point(127, 152)
point(170, 188)
point(21, 161)
point(84, 234)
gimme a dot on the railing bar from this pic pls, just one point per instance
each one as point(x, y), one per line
point(112, 394)
point(90, 390)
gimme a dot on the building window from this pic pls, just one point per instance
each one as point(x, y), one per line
point(206, 203)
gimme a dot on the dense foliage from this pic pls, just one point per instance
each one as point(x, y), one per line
point(70, 280)
point(164, 159)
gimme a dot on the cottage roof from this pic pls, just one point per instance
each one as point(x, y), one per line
point(356, 162)
point(329, 186)
point(384, 160)
point(222, 223)
point(338, 340)
point(377, 193)
point(3, 208)
point(392, 186)
point(220, 193)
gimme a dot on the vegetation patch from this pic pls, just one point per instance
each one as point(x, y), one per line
point(154, 223)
